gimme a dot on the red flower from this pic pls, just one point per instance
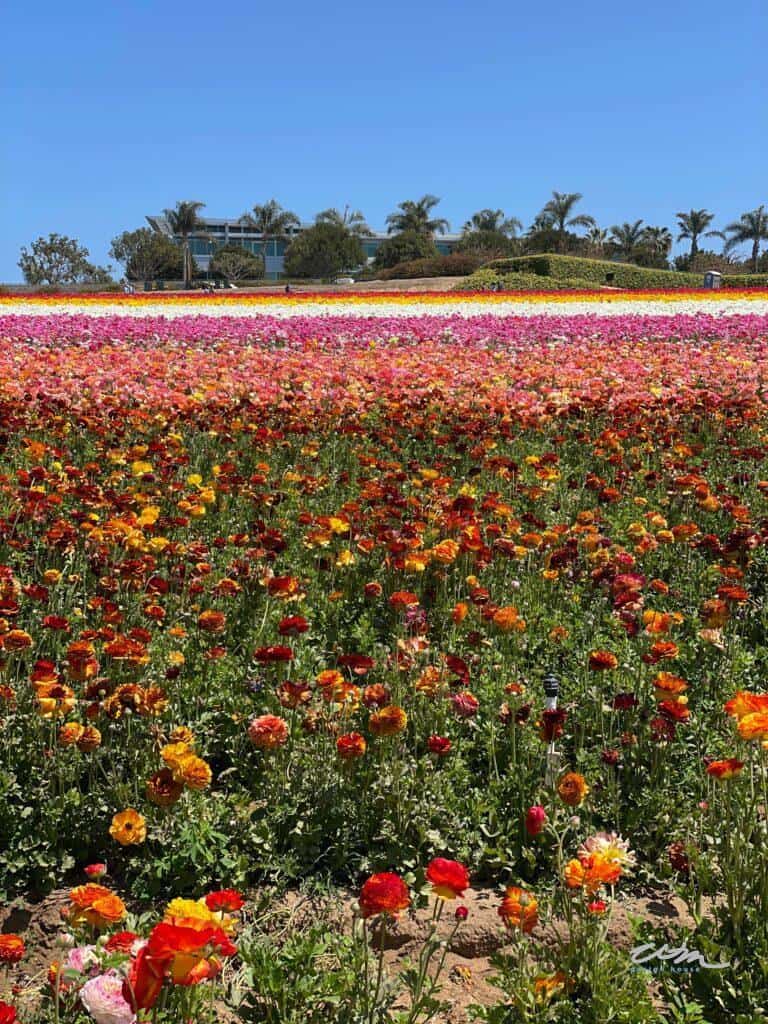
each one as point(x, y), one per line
point(449, 878)
point(270, 655)
point(725, 769)
point(7, 1014)
point(95, 871)
point(535, 819)
point(228, 900)
point(12, 949)
point(384, 893)
point(350, 746)
point(120, 942)
point(293, 625)
point(439, 745)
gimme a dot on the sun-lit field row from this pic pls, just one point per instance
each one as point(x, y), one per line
point(280, 581)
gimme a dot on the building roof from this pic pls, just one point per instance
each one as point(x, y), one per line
point(211, 224)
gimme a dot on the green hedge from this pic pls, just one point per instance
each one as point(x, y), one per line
point(455, 265)
point(745, 281)
point(487, 280)
point(625, 275)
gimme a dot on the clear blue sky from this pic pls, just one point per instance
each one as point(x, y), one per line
point(113, 111)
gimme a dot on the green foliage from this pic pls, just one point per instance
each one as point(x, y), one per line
point(323, 250)
point(454, 265)
point(487, 280)
point(597, 271)
point(235, 263)
point(58, 260)
point(404, 248)
point(490, 243)
point(148, 255)
point(745, 281)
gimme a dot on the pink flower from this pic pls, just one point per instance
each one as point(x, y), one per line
point(95, 871)
point(103, 998)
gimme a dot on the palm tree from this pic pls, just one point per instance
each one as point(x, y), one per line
point(182, 222)
point(750, 227)
point(658, 240)
point(626, 237)
point(352, 220)
point(271, 221)
point(493, 220)
point(597, 237)
point(556, 214)
point(414, 216)
point(694, 225)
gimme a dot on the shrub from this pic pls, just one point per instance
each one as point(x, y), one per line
point(486, 280)
point(402, 248)
point(455, 265)
point(624, 275)
point(745, 281)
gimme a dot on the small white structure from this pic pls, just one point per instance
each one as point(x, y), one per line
point(712, 279)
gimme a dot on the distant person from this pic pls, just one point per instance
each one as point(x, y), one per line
point(287, 289)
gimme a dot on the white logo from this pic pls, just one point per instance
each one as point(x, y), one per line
point(677, 958)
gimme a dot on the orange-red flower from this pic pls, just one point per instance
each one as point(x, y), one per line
point(388, 721)
point(268, 732)
point(600, 661)
point(95, 905)
point(725, 769)
point(449, 878)
point(12, 949)
point(350, 746)
point(384, 893)
point(572, 789)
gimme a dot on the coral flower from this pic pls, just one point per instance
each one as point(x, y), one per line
point(449, 878)
point(268, 732)
point(12, 949)
point(572, 789)
point(388, 721)
point(350, 746)
point(725, 769)
point(519, 910)
point(384, 893)
point(129, 828)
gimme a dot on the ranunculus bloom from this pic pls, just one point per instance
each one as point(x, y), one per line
point(103, 998)
point(7, 1014)
point(465, 704)
point(95, 871)
point(519, 910)
point(754, 726)
point(212, 621)
point(601, 661)
point(268, 731)
point(449, 878)
point(225, 900)
point(163, 790)
point(725, 769)
point(128, 828)
point(439, 745)
point(12, 949)
point(350, 746)
point(95, 905)
point(188, 955)
point(572, 789)
point(384, 893)
point(535, 819)
point(388, 721)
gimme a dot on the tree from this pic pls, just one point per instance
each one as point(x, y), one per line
point(272, 222)
point(750, 227)
point(626, 237)
point(147, 255)
point(322, 251)
point(235, 263)
point(693, 225)
point(415, 216)
point(557, 212)
point(492, 244)
point(597, 239)
point(59, 259)
point(352, 220)
point(402, 248)
point(493, 220)
point(654, 248)
point(182, 222)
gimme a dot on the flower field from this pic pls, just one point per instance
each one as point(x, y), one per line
point(281, 578)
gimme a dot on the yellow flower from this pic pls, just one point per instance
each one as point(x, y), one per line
point(129, 828)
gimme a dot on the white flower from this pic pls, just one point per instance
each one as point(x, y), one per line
point(103, 998)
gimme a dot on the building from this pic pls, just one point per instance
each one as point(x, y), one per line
point(215, 233)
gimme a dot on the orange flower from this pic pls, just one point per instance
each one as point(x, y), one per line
point(746, 703)
point(384, 893)
point(95, 905)
point(388, 721)
point(162, 789)
point(725, 769)
point(70, 734)
point(194, 772)
point(754, 726)
point(519, 910)
point(212, 621)
point(128, 828)
point(12, 949)
point(508, 620)
point(90, 739)
point(572, 789)
point(668, 685)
